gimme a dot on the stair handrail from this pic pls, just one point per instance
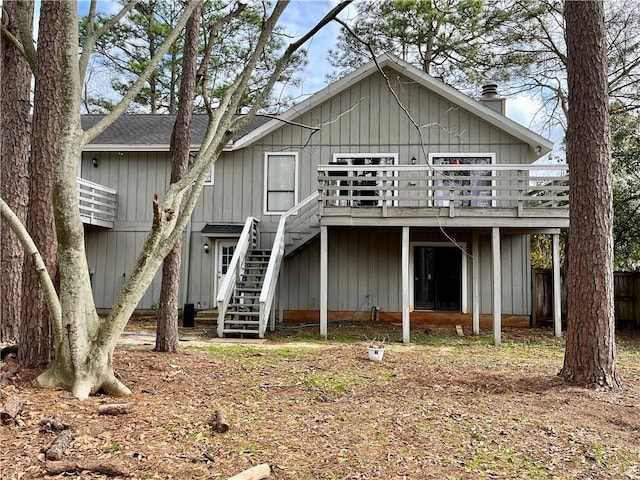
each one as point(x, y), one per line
point(246, 242)
point(270, 281)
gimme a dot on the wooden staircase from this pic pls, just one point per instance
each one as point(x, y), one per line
point(243, 313)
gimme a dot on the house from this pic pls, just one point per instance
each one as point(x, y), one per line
point(390, 193)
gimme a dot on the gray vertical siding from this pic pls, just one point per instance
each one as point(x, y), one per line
point(361, 263)
point(364, 271)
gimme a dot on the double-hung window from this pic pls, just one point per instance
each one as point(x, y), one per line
point(280, 182)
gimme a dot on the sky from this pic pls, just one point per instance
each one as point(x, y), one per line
point(301, 15)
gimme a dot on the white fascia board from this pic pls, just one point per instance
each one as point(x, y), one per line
point(440, 88)
point(136, 147)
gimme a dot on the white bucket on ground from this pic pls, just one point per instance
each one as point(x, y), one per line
point(375, 353)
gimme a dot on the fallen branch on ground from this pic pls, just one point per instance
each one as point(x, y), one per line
point(59, 445)
point(254, 473)
point(98, 466)
point(114, 409)
point(10, 411)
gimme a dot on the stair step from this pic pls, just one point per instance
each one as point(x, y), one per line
point(240, 313)
point(239, 308)
point(242, 322)
point(240, 330)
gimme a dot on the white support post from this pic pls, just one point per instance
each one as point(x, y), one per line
point(497, 286)
point(406, 322)
point(324, 279)
point(557, 292)
point(272, 317)
point(475, 283)
point(280, 302)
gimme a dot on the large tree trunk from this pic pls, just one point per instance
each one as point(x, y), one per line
point(590, 351)
point(36, 342)
point(167, 333)
point(84, 342)
point(15, 93)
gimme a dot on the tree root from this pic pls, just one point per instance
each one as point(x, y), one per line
point(82, 388)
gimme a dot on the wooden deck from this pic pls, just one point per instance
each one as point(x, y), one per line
point(516, 196)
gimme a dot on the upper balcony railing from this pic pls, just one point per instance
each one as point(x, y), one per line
point(97, 203)
point(516, 189)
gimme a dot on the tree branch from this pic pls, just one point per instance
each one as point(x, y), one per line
point(24, 44)
point(29, 246)
point(213, 33)
point(284, 60)
point(93, 35)
point(119, 109)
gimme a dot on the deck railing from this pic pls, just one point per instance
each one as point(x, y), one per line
point(296, 216)
point(97, 203)
point(248, 241)
point(481, 186)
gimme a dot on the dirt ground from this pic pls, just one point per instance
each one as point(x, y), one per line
point(446, 407)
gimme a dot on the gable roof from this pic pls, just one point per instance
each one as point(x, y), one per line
point(150, 132)
point(538, 144)
point(153, 132)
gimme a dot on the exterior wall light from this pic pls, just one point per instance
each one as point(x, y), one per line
point(206, 248)
point(94, 162)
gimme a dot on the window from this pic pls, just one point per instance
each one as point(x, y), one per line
point(209, 179)
point(361, 181)
point(472, 186)
point(280, 182)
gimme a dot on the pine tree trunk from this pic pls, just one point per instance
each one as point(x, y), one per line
point(36, 343)
point(590, 351)
point(15, 92)
point(167, 333)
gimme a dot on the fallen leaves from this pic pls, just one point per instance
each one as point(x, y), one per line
point(326, 413)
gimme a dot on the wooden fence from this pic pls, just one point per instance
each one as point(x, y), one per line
point(626, 286)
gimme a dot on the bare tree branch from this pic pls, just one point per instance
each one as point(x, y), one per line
point(93, 35)
point(119, 109)
point(46, 283)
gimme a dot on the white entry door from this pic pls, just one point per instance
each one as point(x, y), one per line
point(224, 254)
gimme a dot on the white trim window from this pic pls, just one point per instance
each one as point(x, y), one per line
point(473, 186)
point(280, 182)
point(361, 181)
point(210, 176)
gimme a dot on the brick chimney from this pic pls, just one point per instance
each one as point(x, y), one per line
point(491, 99)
